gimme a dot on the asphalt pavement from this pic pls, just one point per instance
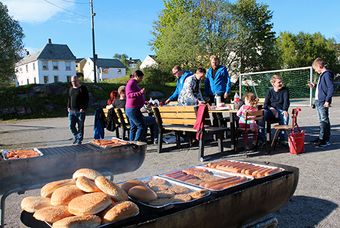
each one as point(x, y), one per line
point(315, 202)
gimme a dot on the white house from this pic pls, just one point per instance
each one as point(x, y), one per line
point(54, 63)
point(148, 62)
point(105, 69)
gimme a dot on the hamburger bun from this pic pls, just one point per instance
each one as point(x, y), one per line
point(34, 203)
point(86, 185)
point(111, 189)
point(121, 211)
point(85, 172)
point(48, 189)
point(78, 222)
point(142, 193)
point(63, 195)
point(89, 204)
point(131, 183)
point(52, 214)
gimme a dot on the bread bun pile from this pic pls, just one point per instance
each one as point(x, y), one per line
point(86, 200)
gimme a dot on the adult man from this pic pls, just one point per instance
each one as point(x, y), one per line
point(323, 99)
point(276, 103)
point(217, 81)
point(78, 100)
point(181, 76)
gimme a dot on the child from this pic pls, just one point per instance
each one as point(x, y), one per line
point(250, 102)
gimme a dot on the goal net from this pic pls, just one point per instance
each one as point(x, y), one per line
point(295, 79)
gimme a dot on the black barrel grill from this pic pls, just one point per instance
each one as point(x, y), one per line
point(233, 207)
point(59, 163)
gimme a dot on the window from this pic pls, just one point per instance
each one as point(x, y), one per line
point(68, 65)
point(68, 78)
point(28, 81)
point(26, 67)
point(33, 66)
point(56, 78)
point(45, 79)
point(45, 65)
point(35, 80)
point(55, 65)
point(119, 71)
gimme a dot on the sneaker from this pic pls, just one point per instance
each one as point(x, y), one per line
point(155, 141)
point(322, 143)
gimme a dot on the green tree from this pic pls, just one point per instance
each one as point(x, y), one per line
point(11, 44)
point(300, 50)
point(189, 31)
point(124, 58)
point(255, 40)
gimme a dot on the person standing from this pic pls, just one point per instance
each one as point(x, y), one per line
point(181, 75)
point(276, 103)
point(78, 100)
point(323, 99)
point(191, 91)
point(134, 102)
point(217, 81)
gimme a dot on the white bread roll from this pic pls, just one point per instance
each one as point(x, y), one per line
point(85, 221)
point(131, 183)
point(86, 185)
point(34, 203)
point(52, 214)
point(121, 211)
point(63, 195)
point(111, 189)
point(89, 204)
point(142, 193)
point(84, 172)
point(48, 189)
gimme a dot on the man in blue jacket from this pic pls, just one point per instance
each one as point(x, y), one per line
point(217, 81)
point(181, 75)
point(323, 99)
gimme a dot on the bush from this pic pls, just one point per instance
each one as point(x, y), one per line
point(155, 76)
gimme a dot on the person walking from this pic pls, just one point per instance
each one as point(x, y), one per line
point(217, 81)
point(323, 99)
point(78, 100)
point(181, 75)
point(134, 102)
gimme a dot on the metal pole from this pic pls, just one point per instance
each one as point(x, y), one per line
point(93, 43)
point(311, 89)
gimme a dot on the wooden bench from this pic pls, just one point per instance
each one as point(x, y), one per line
point(116, 119)
point(182, 119)
point(123, 121)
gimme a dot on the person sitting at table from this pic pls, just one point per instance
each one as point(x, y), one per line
point(250, 105)
point(112, 97)
point(120, 103)
point(276, 103)
point(191, 92)
point(181, 75)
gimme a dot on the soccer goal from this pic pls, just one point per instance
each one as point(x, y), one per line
point(295, 79)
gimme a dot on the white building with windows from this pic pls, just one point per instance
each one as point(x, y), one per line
point(54, 63)
point(105, 69)
point(149, 62)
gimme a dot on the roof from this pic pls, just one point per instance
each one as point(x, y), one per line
point(50, 52)
point(153, 56)
point(109, 63)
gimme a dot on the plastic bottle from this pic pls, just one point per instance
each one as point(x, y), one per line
point(236, 101)
point(218, 100)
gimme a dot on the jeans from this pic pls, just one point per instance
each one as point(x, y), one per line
point(268, 115)
point(325, 125)
point(77, 118)
point(137, 124)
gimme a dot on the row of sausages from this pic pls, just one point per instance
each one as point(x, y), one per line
point(248, 169)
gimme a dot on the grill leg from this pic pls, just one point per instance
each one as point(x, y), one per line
point(3, 199)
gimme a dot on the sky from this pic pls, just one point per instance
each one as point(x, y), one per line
point(125, 26)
